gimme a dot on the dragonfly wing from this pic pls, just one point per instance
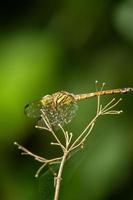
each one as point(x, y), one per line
point(33, 109)
point(62, 115)
point(68, 112)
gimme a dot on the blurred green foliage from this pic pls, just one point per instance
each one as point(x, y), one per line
point(48, 46)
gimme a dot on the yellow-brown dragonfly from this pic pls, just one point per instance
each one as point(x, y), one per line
point(60, 107)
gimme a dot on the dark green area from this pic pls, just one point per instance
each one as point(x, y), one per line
point(49, 46)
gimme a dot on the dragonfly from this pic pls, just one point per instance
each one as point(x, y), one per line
point(60, 107)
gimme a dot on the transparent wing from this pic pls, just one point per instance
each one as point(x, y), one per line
point(62, 115)
point(33, 109)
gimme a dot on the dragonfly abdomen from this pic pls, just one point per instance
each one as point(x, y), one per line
point(104, 92)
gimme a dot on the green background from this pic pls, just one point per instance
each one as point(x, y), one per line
point(48, 46)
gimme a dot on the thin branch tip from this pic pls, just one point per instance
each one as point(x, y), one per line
point(15, 143)
point(120, 111)
point(36, 175)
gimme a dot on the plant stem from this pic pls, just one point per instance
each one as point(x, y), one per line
point(59, 178)
point(84, 131)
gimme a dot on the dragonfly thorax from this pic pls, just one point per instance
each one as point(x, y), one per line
point(58, 99)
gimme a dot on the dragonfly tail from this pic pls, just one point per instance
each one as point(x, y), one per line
point(104, 92)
